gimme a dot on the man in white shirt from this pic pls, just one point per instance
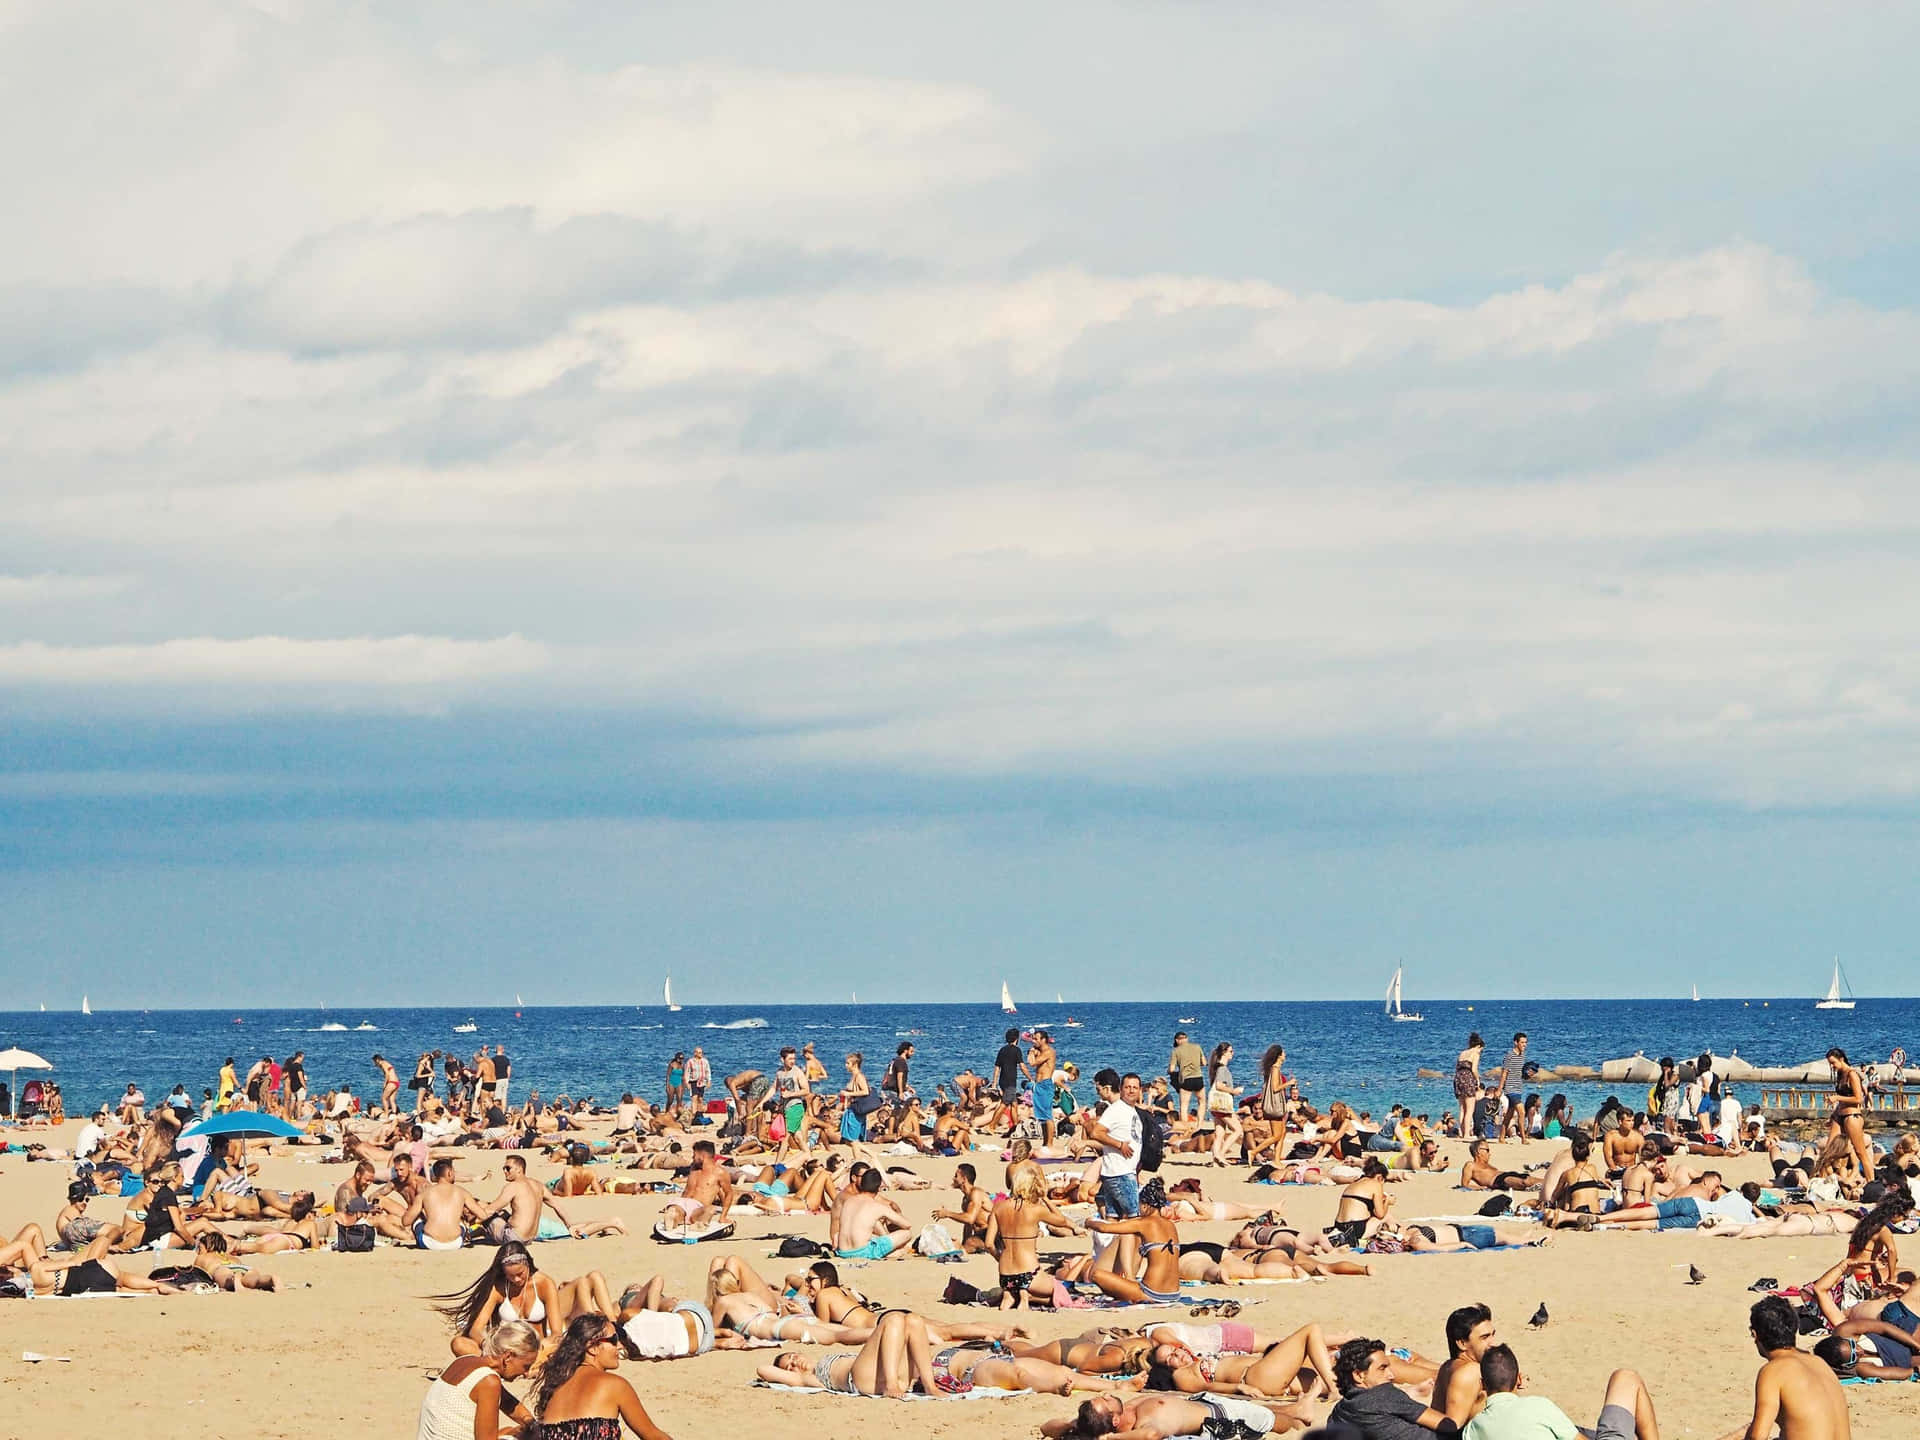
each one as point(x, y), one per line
point(91, 1139)
point(1625, 1413)
point(1118, 1133)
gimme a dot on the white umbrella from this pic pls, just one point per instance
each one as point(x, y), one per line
point(17, 1060)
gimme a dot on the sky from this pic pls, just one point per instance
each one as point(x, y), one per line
point(1146, 499)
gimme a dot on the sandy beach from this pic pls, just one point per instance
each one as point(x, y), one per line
point(349, 1348)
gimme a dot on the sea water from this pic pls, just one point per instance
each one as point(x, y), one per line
point(1337, 1050)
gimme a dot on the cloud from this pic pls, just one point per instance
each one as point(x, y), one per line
point(275, 663)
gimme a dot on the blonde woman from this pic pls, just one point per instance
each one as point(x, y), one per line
point(468, 1399)
point(1013, 1233)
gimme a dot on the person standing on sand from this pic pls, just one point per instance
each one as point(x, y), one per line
point(1513, 1081)
point(229, 1082)
point(699, 1077)
point(1186, 1070)
point(1794, 1392)
point(1118, 1133)
point(1466, 1081)
point(389, 1084)
point(1039, 1067)
point(1006, 1077)
point(502, 1075)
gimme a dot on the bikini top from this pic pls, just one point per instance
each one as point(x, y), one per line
point(509, 1311)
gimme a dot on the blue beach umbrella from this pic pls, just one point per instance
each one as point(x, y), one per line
point(243, 1125)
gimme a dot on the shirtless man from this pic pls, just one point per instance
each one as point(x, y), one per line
point(523, 1202)
point(866, 1224)
point(1480, 1173)
point(1038, 1067)
point(708, 1187)
point(1158, 1416)
point(484, 1078)
point(973, 1212)
point(1457, 1390)
point(1793, 1392)
point(951, 1134)
point(438, 1217)
point(389, 1084)
point(1623, 1144)
point(160, 1139)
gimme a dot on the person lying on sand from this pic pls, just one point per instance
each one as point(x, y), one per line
point(1162, 1417)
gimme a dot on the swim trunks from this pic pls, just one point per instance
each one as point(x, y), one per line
point(424, 1241)
point(1229, 1418)
point(1043, 1101)
point(878, 1248)
point(552, 1229)
point(1616, 1423)
point(1679, 1214)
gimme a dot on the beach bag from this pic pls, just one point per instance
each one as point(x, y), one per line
point(865, 1105)
point(1153, 1141)
point(353, 1239)
point(935, 1239)
point(1498, 1205)
point(798, 1247)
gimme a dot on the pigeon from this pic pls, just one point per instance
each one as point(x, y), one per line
point(1695, 1275)
point(1539, 1320)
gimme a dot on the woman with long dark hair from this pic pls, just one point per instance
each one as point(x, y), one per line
point(1871, 1250)
point(512, 1288)
point(1850, 1107)
point(1223, 1101)
point(1466, 1080)
point(580, 1398)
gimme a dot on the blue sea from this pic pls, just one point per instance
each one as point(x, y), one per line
point(1339, 1050)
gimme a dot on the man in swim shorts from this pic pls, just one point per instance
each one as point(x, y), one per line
point(1706, 1197)
point(438, 1218)
point(1039, 1066)
point(1157, 1416)
point(708, 1186)
point(869, 1226)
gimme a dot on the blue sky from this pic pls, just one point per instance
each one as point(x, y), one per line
point(1203, 499)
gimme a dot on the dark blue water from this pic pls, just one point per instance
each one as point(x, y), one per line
point(1338, 1049)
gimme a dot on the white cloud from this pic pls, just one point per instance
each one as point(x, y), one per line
point(684, 371)
point(275, 663)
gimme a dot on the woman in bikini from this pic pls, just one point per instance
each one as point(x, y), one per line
point(1466, 1080)
point(1437, 1236)
point(1214, 1264)
point(1285, 1367)
point(580, 1398)
point(512, 1287)
point(300, 1231)
point(740, 1300)
point(897, 1358)
point(1195, 1206)
point(1850, 1108)
point(1013, 1234)
point(1363, 1205)
point(964, 1366)
point(1159, 1237)
point(1583, 1188)
point(1105, 1351)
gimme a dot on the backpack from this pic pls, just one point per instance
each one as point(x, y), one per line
point(1153, 1141)
point(798, 1247)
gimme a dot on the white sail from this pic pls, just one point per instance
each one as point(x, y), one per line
point(1833, 1000)
point(85, 1008)
point(1056, 998)
point(1696, 992)
point(1394, 1010)
point(669, 993)
point(1006, 999)
point(516, 998)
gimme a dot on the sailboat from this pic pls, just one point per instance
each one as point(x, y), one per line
point(1833, 1000)
point(1394, 1012)
point(85, 1008)
point(1056, 998)
point(1696, 994)
point(671, 1007)
point(516, 998)
point(1006, 1000)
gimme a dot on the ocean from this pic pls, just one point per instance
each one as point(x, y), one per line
point(1338, 1050)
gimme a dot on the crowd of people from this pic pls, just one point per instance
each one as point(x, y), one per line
point(1082, 1167)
